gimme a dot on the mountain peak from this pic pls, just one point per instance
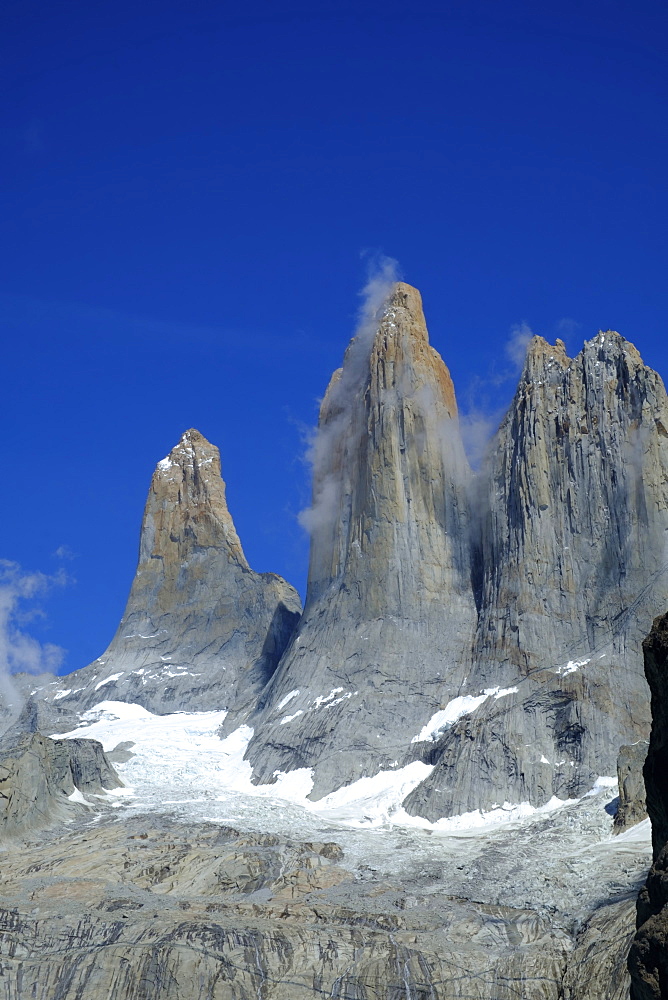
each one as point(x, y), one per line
point(189, 506)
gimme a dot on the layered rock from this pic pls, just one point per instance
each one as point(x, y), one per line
point(148, 906)
point(569, 568)
point(201, 629)
point(390, 614)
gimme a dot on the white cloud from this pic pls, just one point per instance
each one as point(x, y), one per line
point(20, 651)
point(333, 439)
point(518, 341)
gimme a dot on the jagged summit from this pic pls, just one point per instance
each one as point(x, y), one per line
point(573, 567)
point(201, 630)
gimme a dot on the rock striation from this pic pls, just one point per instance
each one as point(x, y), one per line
point(148, 906)
point(488, 625)
point(44, 781)
point(390, 614)
point(201, 630)
point(632, 807)
point(569, 566)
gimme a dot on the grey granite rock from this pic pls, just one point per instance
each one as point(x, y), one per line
point(569, 569)
point(201, 630)
point(390, 613)
point(632, 807)
point(39, 775)
point(155, 908)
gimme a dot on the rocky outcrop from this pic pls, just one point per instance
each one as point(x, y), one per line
point(201, 630)
point(153, 908)
point(569, 569)
point(390, 614)
point(648, 960)
point(43, 781)
point(632, 807)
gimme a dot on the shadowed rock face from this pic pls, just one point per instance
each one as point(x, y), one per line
point(38, 775)
point(569, 569)
point(201, 630)
point(648, 959)
point(390, 614)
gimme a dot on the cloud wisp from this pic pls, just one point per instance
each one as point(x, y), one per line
point(20, 651)
point(480, 418)
point(327, 445)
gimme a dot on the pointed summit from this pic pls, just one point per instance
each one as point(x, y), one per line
point(389, 612)
point(187, 506)
point(201, 630)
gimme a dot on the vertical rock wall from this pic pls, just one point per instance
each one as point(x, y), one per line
point(390, 613)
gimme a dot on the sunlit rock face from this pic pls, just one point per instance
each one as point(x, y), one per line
point(521, 593)
point(569, 569)
point(201, 630)
point(485, 624)
point(390, 613)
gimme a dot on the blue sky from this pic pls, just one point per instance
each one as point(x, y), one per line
point(193, 193)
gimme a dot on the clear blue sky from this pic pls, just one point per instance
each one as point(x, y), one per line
point(189, 191)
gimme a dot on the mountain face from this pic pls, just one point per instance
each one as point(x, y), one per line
point(390, 613)
point(487, 625)
point(201, 630)
point(569, 568)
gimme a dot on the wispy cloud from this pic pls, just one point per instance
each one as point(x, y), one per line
point(517, 343)
point(328, 444)
point(116, 326)
point(20, 651)
point(64, 552)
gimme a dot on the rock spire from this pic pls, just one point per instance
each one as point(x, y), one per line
point(570, 568)
point(201, 630)
point(390, 613)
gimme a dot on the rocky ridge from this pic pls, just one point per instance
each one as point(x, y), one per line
point(135, 902)
point(502, 604)
point(569, 570)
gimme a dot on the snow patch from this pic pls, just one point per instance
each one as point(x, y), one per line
point(322, 699)
point(572, 666)
point(183, 751)
point(477, 820)
point(603, 781)
point(289, 718)
point(372, 802)
point(456, 709)
point(77, 796)
point(288, 697)
point(108, 680)
point(62, 694)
